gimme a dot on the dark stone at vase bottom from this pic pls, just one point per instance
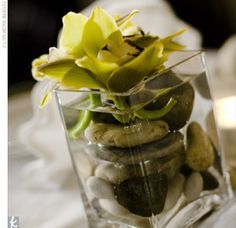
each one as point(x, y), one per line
point(144, 196)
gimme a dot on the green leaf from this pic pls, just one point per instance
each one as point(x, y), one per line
point(170, 37)
point(125, 24)
point(82, 123)
point(57, 69)
point(170, 45)
point(155, 114)
point(144, 41)
point(47, 97)
point(77, 78)
point(121, 21)
point(133, 72)
point(69, 74)
point(71, 37)
point(100, 69)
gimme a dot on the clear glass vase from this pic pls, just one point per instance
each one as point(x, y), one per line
point(150, 156)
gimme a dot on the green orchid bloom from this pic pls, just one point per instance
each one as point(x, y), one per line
point(105, 53)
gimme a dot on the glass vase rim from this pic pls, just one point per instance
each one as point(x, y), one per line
point(137, 87)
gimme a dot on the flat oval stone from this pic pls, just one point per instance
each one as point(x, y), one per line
point(116, 173)
point(183, 94)
point(100, 188)
point(126, 136)
point(169, 145)
point(193, 186)
point(200, 152)
point(144, 196)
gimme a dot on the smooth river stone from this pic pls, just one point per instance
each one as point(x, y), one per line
point(100, 188)
point(200, 152)
point(126, 136)
point(115, 173)
point(175, 189)
point(183, 94)
point(144, 196)
point(169, 145)
point(193, 186)
point(84, 163)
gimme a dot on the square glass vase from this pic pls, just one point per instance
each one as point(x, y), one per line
point(150, 156)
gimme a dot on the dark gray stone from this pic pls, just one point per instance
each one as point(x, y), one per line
point(169, 145)
point(183, 94)
point(144, 196)
point(209, 181)
point(118, 173)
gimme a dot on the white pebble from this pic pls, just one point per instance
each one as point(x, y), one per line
point(193, 186)
point(84, 164)
point(100, 188)
point(175, 188)
point(110, 173)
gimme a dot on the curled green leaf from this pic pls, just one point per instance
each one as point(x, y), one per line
point(69, 74)
point(155, 114)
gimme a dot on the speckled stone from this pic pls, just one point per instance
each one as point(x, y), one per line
point(122, 136)
point(200, 152)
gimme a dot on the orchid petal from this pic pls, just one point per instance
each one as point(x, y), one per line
point(71, 37)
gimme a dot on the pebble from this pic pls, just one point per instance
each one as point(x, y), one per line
point(169, 145)
point(144, 196)
point(175, 189)
point(84, 163)
point(114, 208)
point(200, 152)
point(126, 136)
point(212, 129)
point(193, 186)
point(183, 94)
point(116, 173)
point(100, 188)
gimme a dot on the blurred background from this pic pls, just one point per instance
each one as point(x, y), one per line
point(34, 26)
